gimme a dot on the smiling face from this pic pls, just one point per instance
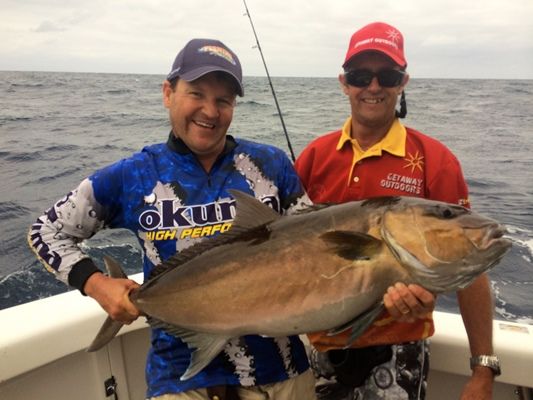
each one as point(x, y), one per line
point(373, 107)
point(200, 113)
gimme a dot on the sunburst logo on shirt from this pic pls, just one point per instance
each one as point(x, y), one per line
point(414, 161)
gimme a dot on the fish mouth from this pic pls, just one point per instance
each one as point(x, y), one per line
point(495, 238)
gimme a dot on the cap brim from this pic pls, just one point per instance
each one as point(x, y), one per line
point(196, 73)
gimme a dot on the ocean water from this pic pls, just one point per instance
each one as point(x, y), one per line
point(57, 128)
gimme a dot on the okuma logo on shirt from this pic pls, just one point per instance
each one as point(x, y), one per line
point(192, 221)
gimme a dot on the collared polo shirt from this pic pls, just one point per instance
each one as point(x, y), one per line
point(335, 169)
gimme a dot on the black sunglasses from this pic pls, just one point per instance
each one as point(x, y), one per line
point(363, 77)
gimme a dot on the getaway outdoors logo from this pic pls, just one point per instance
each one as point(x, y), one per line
point(409, 184)
point(393, 37)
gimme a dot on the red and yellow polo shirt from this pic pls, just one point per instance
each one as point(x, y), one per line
point(334, 169)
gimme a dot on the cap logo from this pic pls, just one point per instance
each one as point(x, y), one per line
point(219, 52)
point(393, 37)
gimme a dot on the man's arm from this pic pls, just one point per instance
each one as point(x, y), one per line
point(113, 296)
point(475, 302)
point(56, 235)
point(476, 305)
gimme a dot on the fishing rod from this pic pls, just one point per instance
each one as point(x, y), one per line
point(270, 82)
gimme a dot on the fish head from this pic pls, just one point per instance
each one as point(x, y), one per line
point(444, 246)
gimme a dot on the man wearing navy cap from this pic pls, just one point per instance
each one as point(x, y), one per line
point(374, 154)
point(192, 172)
point(172, 195)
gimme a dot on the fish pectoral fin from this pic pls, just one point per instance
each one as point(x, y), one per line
point(205, 346)
point(364, 321)
point(352, 245)
point(359, 324)
point(107, 332)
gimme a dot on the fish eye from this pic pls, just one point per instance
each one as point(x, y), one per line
point(442, 211)
point(451, 211)
point(447, 213)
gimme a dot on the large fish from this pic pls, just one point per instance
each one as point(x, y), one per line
point(325, 269)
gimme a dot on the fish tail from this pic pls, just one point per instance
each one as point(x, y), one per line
point(106, 333)
point(110, 327)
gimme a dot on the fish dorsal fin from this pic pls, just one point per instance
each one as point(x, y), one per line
point(251, 213)
point(205, 347)
point(352, 245)
point(250, 221)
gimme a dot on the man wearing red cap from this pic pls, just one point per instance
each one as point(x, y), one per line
point(375, 155)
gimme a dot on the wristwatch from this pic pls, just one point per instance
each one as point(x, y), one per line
point(490, 361)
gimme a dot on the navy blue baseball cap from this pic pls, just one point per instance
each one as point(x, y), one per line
point(201, 56)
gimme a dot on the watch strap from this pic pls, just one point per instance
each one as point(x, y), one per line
point(489, 361)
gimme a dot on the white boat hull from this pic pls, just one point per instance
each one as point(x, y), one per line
point(42, 354)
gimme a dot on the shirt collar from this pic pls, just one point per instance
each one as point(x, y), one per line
point(393, 142)
point(179, 146)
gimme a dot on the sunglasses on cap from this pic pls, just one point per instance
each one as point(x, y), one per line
point(363, 77)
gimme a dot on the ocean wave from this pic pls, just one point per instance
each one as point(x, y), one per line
point(506, 309)
point(27, 85)
point(29, 156)
point(60, 174)
point(522, 237)
point(10, 210)
point(525, 320)
point(34, 282)
point(517, 88)
point(127, 254)
point(252, 104)
point(23, 286)
point(119, 91)
point(6, 119)
point(59, 148)
point(475, 183)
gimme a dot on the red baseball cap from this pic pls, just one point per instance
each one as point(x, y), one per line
point(380, 37)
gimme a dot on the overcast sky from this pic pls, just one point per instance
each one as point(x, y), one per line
point(444, 38)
